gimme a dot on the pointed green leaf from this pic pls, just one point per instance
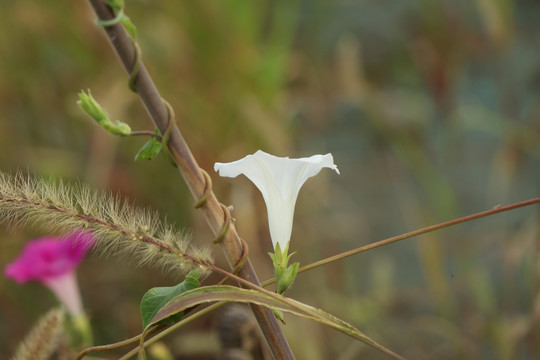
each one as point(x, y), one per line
point(157, 297)
point(214, 293)
point(149, 150)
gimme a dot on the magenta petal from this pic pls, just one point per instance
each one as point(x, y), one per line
point(77, 245)
point(48, 257)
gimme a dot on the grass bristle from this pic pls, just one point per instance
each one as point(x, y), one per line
point(119, 228)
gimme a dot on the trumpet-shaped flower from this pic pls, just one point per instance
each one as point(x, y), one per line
point(53, 261)
point(279, 179)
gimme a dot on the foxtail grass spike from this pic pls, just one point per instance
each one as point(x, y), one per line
point(118, 227)
point(44, 339)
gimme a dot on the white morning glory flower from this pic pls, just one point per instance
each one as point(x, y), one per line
point(279, 179)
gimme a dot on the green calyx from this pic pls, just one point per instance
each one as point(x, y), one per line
point(97, 112)
point(82, 331)
point(284, 274)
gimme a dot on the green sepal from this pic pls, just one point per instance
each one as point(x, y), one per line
point(97, 112)
point(81, 331)
point(150, 149)
point(280, 258)
point(284, 274)
point(117, 128)
point(157, 297)
point(286, 278)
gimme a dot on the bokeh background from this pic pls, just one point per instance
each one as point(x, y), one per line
point(430, 108)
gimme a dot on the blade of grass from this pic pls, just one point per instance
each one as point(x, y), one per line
point(262, 297)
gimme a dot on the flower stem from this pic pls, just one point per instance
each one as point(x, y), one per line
point(116, 345)
point(174, 327)
point(497, 209)
point(145, 133)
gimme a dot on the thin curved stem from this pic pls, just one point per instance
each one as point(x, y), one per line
point(115, 345)
point(111, 22)
point(174, 327)
point(145, 133)
point(343, 255)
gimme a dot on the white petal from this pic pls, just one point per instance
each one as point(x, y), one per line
point(279, 179)
point(66, 289)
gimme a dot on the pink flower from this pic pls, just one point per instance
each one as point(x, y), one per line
point(53, 261)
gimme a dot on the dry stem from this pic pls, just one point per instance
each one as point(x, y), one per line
point(191, 173)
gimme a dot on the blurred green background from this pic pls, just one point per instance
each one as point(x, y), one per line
point(430, 108)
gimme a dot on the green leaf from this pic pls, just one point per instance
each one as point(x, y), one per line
point(149, 150)
point(214, 293)
point(157, 297)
